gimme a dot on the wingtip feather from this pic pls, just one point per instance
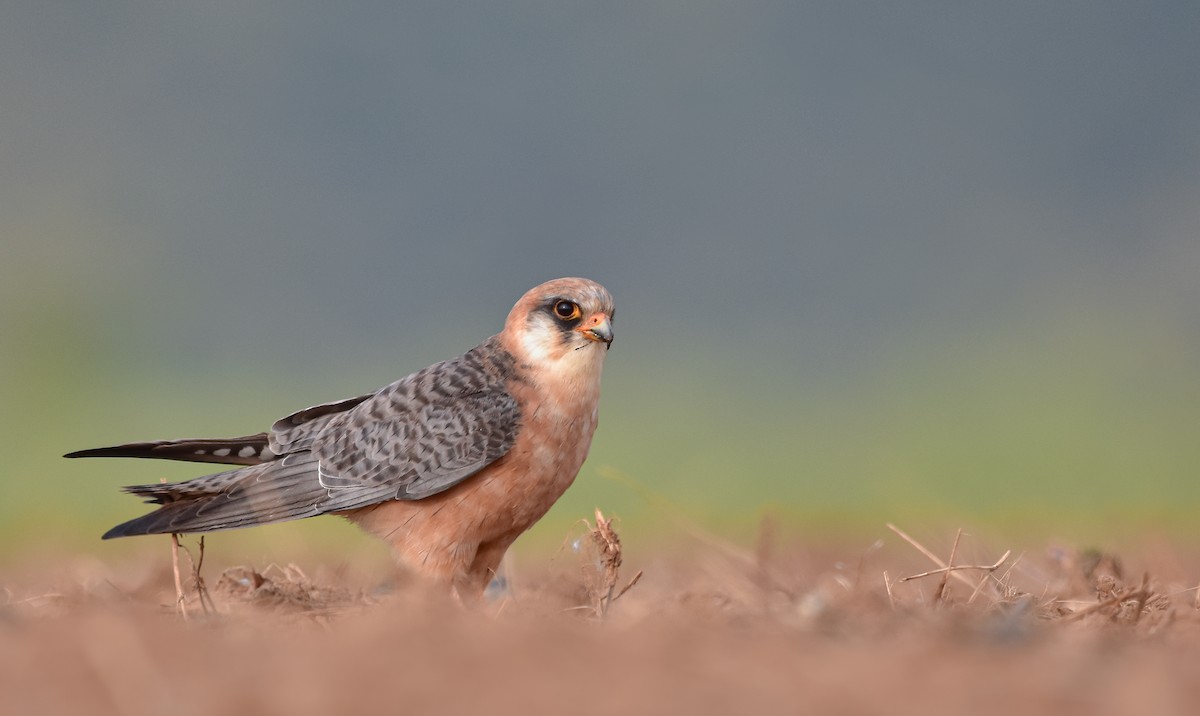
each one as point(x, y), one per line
point(132, 528)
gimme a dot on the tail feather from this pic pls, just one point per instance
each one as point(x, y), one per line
point(275, 491)
point(248, 450)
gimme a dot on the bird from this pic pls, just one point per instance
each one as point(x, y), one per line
point(448, 465)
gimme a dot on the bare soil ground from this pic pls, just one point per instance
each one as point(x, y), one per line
point(712, 629)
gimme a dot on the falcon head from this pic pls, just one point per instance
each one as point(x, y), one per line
point(564, 325)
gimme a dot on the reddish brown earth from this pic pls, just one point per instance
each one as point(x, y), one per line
point(711, 630)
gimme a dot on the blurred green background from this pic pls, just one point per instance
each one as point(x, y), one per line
point(912, 263)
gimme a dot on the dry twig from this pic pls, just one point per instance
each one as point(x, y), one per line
point(958, 567)
point(180, 598)
point(202, 595)
point(887, 583)
point(941, 589)
point(955, 572)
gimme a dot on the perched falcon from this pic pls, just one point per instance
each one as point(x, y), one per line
point(448, 465)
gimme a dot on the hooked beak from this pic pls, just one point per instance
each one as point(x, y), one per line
point(598, 328)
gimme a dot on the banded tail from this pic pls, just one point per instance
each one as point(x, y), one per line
point(248, 450)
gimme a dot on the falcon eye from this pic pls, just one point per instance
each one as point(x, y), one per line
point(567, 310)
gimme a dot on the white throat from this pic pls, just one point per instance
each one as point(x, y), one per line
point(574, 368)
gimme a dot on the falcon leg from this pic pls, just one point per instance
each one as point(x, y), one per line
point(483, 567)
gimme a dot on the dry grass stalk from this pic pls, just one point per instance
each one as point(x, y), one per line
point(941, 589)
point(927, 552)
point(202, 595)
point(602, 574)
point(180, 598)
point(206, 602)
point(946, 570)
point(202, 592)
point(887, 583)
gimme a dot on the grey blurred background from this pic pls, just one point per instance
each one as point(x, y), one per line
point(927, 260)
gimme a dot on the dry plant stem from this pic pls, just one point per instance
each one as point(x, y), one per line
point(1011, 567)
point(206, 603)
point(979, 587)
point(627, 587)
point(610, 556)
point(608, 546)
point(202, 588)
point(941, 589)
point(932, 557)
point(180, 600)
point(180, 605)
point(960, 567)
